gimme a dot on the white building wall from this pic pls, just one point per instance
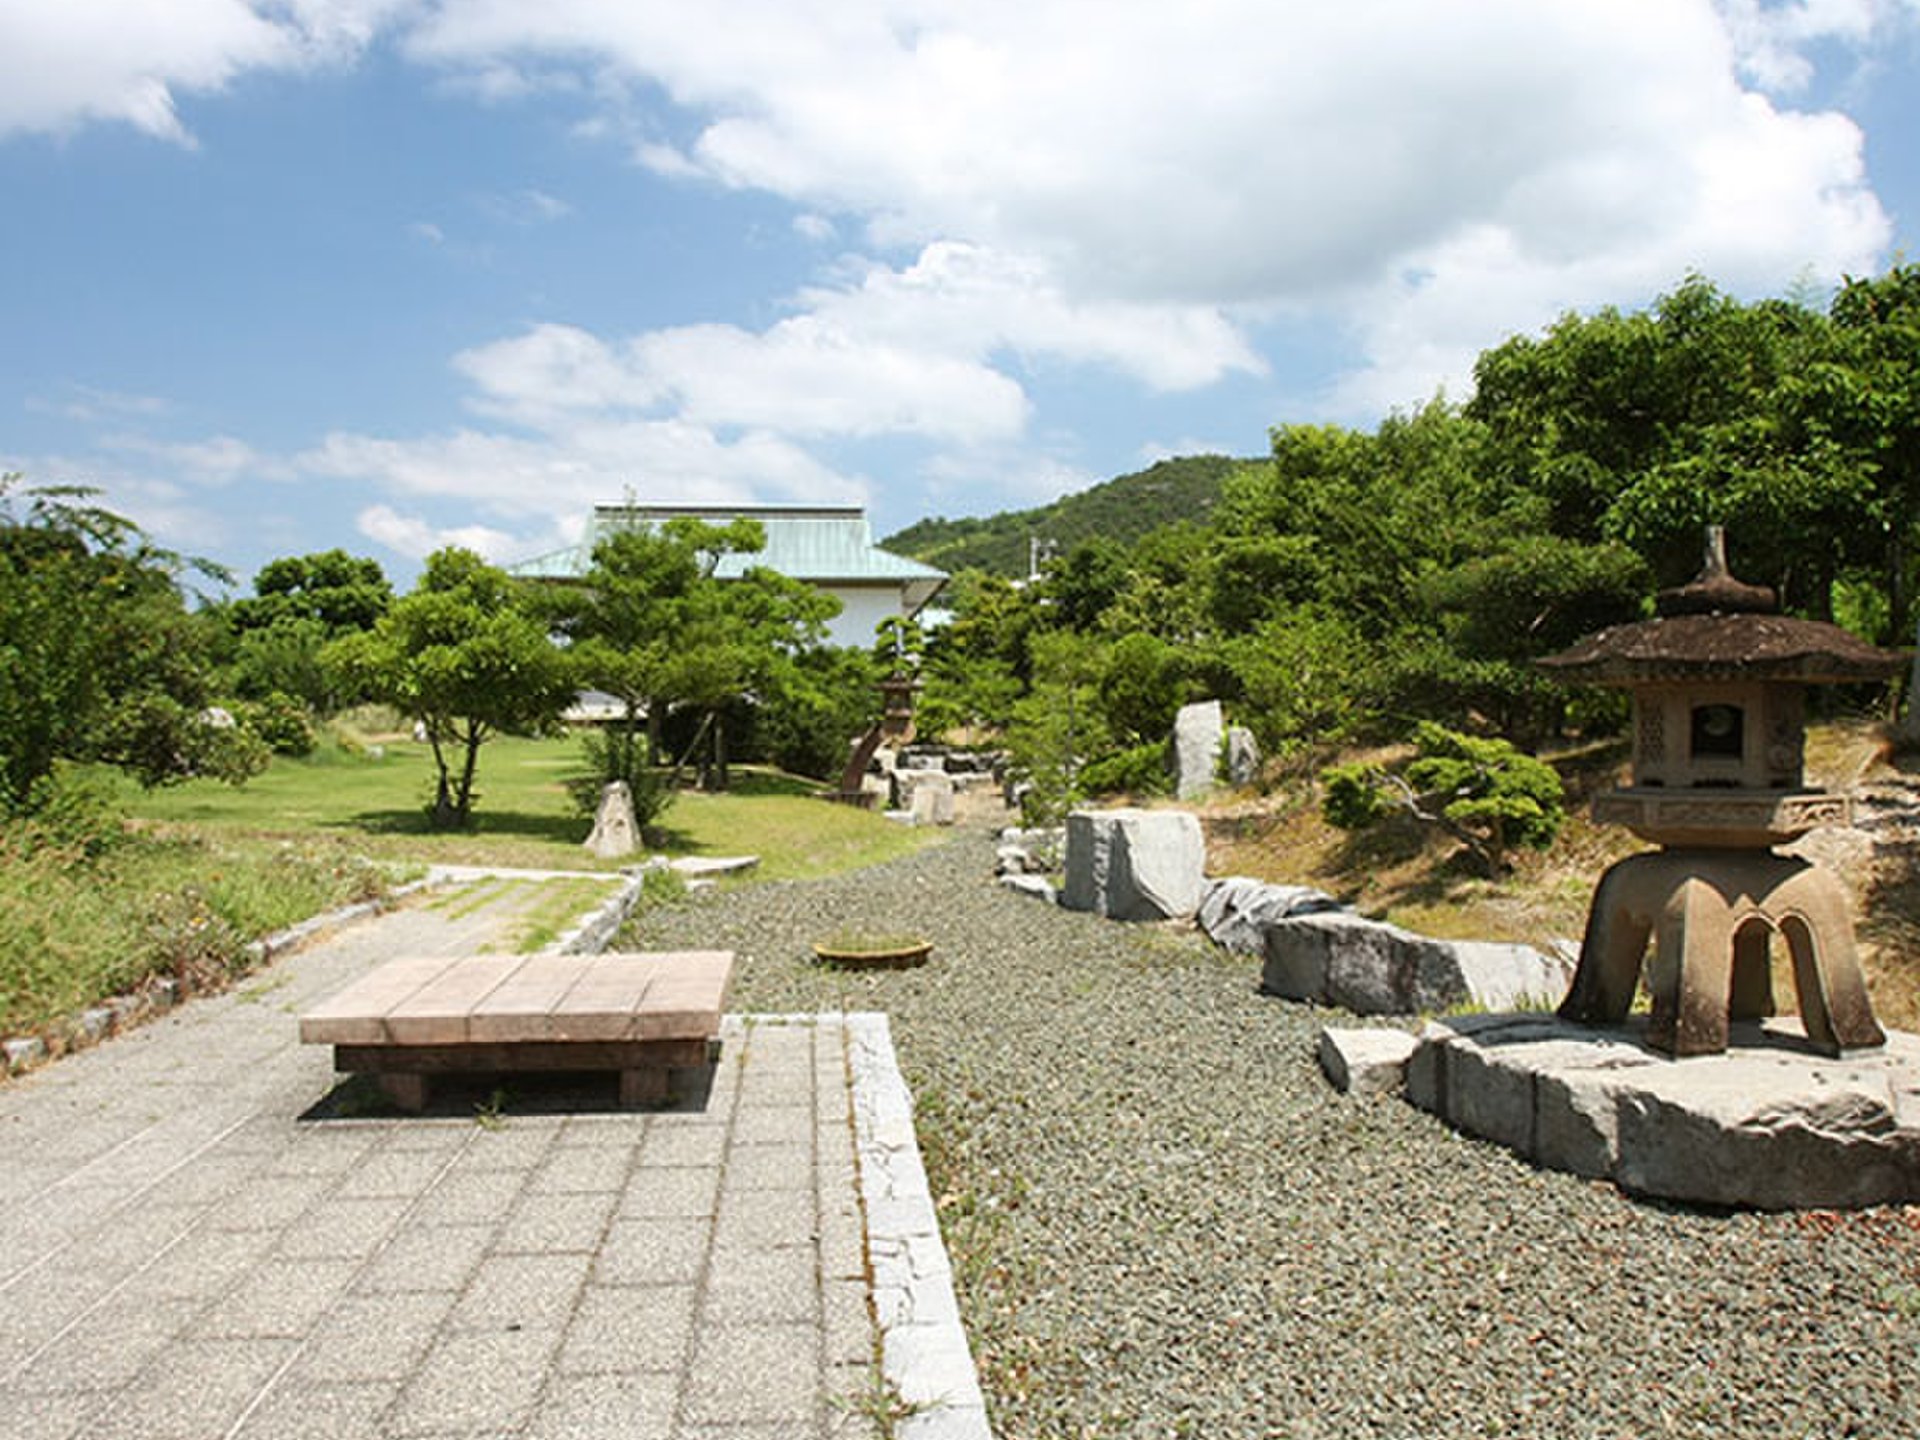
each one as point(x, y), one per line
point(862, 608)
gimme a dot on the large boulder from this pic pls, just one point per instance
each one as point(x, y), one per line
point(1197, 733)
point(1236, 910)
point(1372, 968)
point(1769, 1124)
point(1134, 864)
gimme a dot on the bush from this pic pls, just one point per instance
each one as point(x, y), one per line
point(1353, 796)
point(1482, 791)
point(1141, 770)
point(280, 721)
point(75, 929)
point(69, 810)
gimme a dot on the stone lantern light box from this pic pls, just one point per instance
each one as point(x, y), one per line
point(1718, 681)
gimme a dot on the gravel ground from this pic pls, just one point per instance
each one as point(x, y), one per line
point(1164, 1222)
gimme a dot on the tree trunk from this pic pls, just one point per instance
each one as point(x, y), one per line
point(463, 797)
point(699, 737)
point(444, 815)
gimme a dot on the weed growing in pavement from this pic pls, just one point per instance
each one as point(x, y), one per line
point(490, 1114)
point(880, 1403)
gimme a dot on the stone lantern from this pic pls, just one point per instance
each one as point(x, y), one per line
point(894, 727)
point(1718, 682)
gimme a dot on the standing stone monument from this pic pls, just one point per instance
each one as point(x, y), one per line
point(1197, 733)
point(615, 831)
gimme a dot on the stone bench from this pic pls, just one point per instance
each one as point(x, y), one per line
point(642, 1015)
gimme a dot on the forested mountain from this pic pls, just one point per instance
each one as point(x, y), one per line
point(1123, 509)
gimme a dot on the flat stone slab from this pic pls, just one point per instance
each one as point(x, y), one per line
point(705, 867)
point(1769, 1125)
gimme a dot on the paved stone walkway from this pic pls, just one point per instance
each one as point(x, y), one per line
point(204, 1234)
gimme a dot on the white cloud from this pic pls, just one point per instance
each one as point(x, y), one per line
point(1770, 37)
point(526, 207)
point(89, 404)
point(817, 228)
point(413, 537)
point(218, 460)
point(1046, 185)
point(804, 377)
point(1140, 176)
point(67, 63)
point(521, 479)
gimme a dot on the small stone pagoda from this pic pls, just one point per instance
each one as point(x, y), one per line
point(1718, 682)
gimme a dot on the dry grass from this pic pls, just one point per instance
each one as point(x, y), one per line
point(1417, 878)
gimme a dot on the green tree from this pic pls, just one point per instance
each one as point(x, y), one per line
point(342, 592)
point(1058, 726)
point(975, 668)
point(1643, 428)
point(299, 604)
point(99, 659)
point(1864, 399)
point(741, 639)
point(622, 621)
point(460, 654)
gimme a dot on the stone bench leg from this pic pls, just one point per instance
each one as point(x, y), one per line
point(408, 1091)
point(638, 1088)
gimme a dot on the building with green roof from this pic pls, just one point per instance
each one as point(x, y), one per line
point(828, 546)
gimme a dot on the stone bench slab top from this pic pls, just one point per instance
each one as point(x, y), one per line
point(528, 999)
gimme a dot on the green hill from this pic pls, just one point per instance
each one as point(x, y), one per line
point(1122, 509)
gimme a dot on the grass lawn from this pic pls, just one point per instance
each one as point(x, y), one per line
point(213, 866)
point(522, 816)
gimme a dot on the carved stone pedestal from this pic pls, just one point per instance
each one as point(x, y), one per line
point(1712, 915)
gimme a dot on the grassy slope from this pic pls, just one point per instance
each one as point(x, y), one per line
point(1414, 877)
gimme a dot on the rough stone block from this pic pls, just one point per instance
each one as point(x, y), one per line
point(24, 1053)
point(1036, 887)
point(1134, 864)
point(1236, 910)
point(927, 795)
point(1365, 1062)
point(1338, 958)
point(1243, 756)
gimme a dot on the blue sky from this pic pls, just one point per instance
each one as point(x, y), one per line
point(282, 275)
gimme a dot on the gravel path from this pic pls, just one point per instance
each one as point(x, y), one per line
point(1163, 1222)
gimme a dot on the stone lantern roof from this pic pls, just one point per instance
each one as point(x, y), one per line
point(1720, 628)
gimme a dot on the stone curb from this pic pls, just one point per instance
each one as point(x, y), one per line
point(162, 993)
point(923, 1348)
point(596, 931)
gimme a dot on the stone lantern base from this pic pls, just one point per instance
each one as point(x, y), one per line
point(1711, 915)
